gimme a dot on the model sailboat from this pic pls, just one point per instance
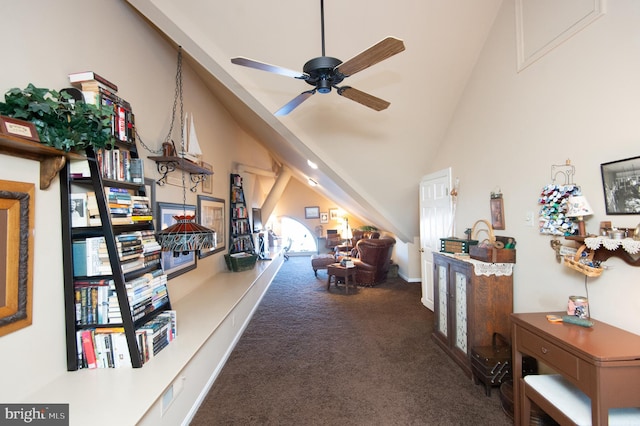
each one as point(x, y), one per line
point(192, 147)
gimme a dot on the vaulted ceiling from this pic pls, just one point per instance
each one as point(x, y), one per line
point(370, 163)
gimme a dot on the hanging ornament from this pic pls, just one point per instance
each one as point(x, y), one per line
point(185, 235)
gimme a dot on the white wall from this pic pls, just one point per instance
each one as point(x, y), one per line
point(45, 41)
point(580, 102)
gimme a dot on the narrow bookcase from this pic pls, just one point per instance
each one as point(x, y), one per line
point(105, 265)
point(240, 235)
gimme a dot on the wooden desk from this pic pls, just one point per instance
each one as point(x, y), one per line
point(602, 361)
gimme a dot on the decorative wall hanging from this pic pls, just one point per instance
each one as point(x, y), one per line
point(554, 201)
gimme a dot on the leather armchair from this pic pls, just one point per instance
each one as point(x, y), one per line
point(374, 258)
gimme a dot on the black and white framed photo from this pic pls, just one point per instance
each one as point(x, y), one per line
point(79, 212)
point(174, 264)
point(211, 214)
point(621, 184)
point(312, 212)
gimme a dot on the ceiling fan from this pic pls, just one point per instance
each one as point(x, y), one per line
point(325, 72)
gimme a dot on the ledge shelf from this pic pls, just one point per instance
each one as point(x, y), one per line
point(51, 159)
point(603, 253)
point(167, 165)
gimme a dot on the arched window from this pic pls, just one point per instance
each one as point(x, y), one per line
point(304, 240)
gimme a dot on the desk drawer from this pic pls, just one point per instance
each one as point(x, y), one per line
point(550, 354)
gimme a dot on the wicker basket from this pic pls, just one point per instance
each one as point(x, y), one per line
point(574, 263)
point(241, 263)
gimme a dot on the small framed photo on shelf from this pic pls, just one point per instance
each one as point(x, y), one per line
point(620, 183)
point(175, 265)
point(78, 205)
point(497, 213)
point(21, 128)
point(324, 217)
point(211, 214)
point(312, 212)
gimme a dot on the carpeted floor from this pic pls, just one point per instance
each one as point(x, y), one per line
point(312, 357)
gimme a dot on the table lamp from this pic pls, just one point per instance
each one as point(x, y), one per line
point(579, 208)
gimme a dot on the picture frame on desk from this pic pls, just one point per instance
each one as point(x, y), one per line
point(17, 219)
point(211, 214)
point(172, 265)
point(620, 184)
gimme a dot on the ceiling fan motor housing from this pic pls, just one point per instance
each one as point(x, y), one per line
point(322, 73)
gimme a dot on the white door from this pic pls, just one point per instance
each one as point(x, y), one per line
point(436, 222)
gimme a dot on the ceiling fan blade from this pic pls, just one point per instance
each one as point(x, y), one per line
point(246, 62)
point(293, 103)
point(363, 98)
point(378, 52)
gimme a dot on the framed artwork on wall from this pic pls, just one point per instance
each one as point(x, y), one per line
point(207, 182)
point(17, 219)
point(497, 213)
point(333, 214)
point(324, 217)
point(312, 212)
point(211, 214)
point(621, 184)
point(175, 265)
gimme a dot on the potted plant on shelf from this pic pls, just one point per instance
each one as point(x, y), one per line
point(61, 121)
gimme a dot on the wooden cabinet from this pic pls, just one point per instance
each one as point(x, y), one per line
point(472, 301)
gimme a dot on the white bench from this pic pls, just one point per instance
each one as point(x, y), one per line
point(567, 404)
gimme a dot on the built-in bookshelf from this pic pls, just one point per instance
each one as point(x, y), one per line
point(117, 307)
point(240, 236)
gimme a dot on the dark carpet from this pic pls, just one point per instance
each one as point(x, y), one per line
point(312, 357)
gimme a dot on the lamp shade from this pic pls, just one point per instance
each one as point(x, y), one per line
point(185, 236)
point(578, 206)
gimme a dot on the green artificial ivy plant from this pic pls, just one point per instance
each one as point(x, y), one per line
point(61, 121)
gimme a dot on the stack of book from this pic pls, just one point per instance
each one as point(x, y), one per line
point(151, 249)
point(115, 164)
point(141, 209)
point(92, 300)
point(120, 205)
point(97, 90)
point(145, 294)
point(159, 332)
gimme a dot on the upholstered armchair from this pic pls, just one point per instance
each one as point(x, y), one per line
point(374, 258)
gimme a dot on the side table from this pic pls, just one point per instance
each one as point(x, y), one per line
point(338, 271)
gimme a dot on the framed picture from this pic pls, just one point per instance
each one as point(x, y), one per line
point(207, 182)
point(211, 214)
point(312, 212)
point(173, 265)
point(333, 214)
point(497, 213)
point(324, 217)
point(15, 127)
point(17, 218)
point(79, 214)
point(620, 181)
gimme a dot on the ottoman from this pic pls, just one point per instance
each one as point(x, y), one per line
point(321, 261)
